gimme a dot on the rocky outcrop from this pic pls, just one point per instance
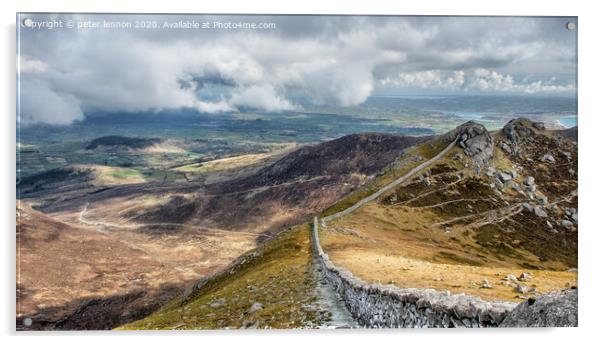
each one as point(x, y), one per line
point(521, 130)
point(474, 139)
point(375, 305)
point(557, 309)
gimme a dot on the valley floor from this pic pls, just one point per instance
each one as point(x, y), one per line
point(89, 275)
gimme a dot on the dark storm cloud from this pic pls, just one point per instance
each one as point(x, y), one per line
point(328, 59)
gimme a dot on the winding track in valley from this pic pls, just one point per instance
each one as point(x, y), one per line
point(85, 221)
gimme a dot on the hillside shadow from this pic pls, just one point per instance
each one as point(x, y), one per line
point(100, 313)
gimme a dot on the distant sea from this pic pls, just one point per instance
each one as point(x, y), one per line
point(568, 122)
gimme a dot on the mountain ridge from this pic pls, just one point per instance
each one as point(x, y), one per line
point(481, 147)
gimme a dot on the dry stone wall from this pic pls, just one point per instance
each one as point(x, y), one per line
point(375, 305)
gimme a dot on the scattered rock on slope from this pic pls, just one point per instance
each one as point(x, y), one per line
point(540, 212)
point(548, 158)
point(254, 308)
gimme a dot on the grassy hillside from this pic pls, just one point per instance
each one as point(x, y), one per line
point(273, 287)
point(451, 227)
point(408, 159)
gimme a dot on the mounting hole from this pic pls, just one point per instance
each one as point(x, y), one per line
point(571, 26)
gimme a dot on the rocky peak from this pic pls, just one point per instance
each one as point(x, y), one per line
point(522, 130)
point(474, 139)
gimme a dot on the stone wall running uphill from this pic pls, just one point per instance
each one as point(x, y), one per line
point(376, 305)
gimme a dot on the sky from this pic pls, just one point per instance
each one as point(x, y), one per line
point(68, 72)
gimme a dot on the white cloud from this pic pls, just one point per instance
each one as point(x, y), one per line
point(213, 107)
point(480, 80)
point(338, 60)
point(260, 97)
point(540, 87)
point(48, 106)
point(127, 74)
point(487, 80)
point(30, 65)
